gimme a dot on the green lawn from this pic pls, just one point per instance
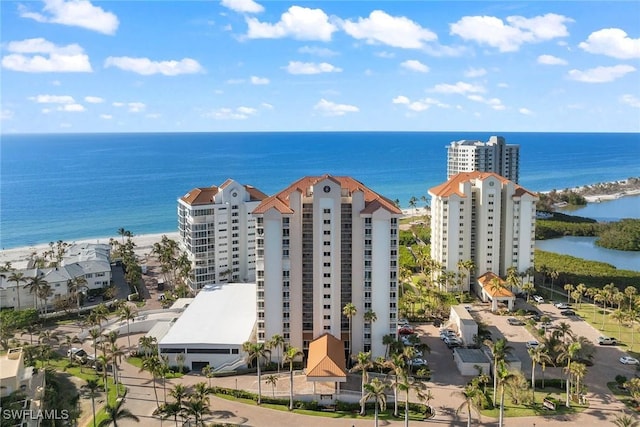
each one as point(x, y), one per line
point(628, 337)
point(511, 410)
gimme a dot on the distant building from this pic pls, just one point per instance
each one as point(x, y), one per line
point(217, 232)
point(492, 156)
point(484, 218)
point(88, 260)
point(324, 242)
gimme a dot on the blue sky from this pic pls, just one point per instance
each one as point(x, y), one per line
point(241, 65)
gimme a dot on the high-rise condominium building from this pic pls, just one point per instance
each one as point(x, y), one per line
point(485, 218)
point(492, 156)
point(322, 243)
point(217, 231)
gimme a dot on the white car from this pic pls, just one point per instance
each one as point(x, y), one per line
point(538, 299)
point(562, 305)
point(532, 344)
point(418, 362)
point(607, 341)
point(628, 360)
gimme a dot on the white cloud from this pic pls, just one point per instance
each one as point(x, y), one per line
point(41, 56)
point(630, 100)
point(415, 65)
point(612, 42)
point(53, 99)
point(383, 28)
point(385, 54)
point(93, 99)
point(259, 80)
point(239, 113)
point(76, 13)
point(266, 106)
point(147, 67)
point(460, 88)
point(118, 104)
point(401, 99)
point(136, 107)
point(418, 106)
point(300, 23)
point(329, 108)
point(509, 36)
point(242, 6)
point(551, 60)
point(317, 51)
point(494, 103)
point(106, 116)
point(525, 111)
point(601, 74)
point(296, 67)
point(6, 115)
point(72, 108)
point(475, 72)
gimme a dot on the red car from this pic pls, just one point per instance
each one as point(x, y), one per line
point(405, 330)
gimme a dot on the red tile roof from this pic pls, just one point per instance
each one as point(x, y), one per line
point(452, 186)
point(200, 196)
point(372, 199)
point(486, 280)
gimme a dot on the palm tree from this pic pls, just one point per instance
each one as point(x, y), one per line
point(538, 355)
point(207, 371)
point(94, 334)
point(569, 288)
point(172, 409)
point(413, 203)
point(625, 420)
point(364, 363)
point(35, 286)
point(469, 397)
point(578, 370)
point(148, 345)
point(513, 278)
point(398, 366)
point(407, 384)
point(153, 365)
point(503, 376)
point(553, 274)
point(45, 293)
point(277, 342)
point(500, 350)
point(129, 315)
point(619, 316)
point(256, 351)
point(496, 285)
point(349, 311)
point(375, 390)
point(197, 407)
point(17, 277)
point(92, 387)
point(290, 355)
point(566, 354)
point(273, 381)
point(179, 393)
point(529, 288)
point(75, 286)
point(116, 412)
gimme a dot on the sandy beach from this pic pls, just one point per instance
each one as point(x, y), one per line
point(18, 257)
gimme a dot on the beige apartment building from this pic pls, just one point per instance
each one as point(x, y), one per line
point(485, 218)
point(323, 242)
point(217, 231)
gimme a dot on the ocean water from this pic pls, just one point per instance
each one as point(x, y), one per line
point(79, 186)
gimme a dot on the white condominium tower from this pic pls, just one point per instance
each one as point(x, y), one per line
point(485, 218)
point(217, 231)
point(492, 156)
point(324, 242)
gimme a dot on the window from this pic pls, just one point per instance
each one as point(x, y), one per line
point(327, 221)
point(327, 232)
point(325, 210)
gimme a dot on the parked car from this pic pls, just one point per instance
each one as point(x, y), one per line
point(446, 333)
point(538, 299)
point(78, 354)
point(536, 317)
point(546, 325)
point(515, 322)
point(568, 313)
point(418, 362)
point(628, 360)
point(406, 330)
point(452, 342)
point(607, 341)
point(562, 305)
point(532, 344)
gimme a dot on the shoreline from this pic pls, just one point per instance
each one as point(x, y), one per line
point(18, 257)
